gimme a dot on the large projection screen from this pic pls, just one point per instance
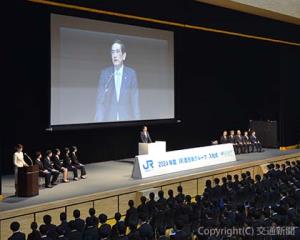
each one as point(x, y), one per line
point(109, 72)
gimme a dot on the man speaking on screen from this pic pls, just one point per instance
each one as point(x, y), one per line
point(118, 94)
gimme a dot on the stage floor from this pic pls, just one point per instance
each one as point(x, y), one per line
point(111, 175)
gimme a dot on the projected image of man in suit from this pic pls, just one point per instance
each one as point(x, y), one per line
point(118, 94)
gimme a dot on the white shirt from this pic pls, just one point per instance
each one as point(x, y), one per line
point(19, 159)
point(118, 81)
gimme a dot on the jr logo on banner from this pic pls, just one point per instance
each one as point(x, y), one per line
point(148, 165)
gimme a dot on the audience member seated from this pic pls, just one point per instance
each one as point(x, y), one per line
point(67, 163)
point(94, 219)
point(105, 229)
point(17, 235)
point(42, 171)
point(79, 223)
point(58, 165)
point(44, 233)
point(76, 162)
point(64, 226)
point(90, 232)
point(131, 217)
point(115, 227)
point(74, 233)
point(35, 234)
point(48, 165)
point(270, 200)
point(51, 228)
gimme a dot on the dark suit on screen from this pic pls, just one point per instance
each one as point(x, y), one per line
point(145, 138)
point(108, 108)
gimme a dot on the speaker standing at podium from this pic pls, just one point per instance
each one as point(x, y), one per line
point(19, 162)
point(145, 136)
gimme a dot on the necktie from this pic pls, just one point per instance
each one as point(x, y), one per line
point(118, 84)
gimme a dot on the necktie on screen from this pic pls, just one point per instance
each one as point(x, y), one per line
point(118, 84)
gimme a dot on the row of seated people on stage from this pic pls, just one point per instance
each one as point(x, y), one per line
point(242, 143)
point(267, 204)
point(53, 163)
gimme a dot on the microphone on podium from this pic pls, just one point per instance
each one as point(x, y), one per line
point(31, 162)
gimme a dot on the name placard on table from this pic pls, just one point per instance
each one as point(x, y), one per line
point(180, 160)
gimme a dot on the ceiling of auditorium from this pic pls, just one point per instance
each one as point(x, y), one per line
point(282, 10)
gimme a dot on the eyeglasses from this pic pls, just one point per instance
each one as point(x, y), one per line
point(117, 51)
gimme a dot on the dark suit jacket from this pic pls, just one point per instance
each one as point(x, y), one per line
point(107, 106)
point(17, 236)
point(146, 231)
point(75, 235)
point(145, 138)
point(48, 164)
point(57, 162)
point(74, 159)
point(223, 140)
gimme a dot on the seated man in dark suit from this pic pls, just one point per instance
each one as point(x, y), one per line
point(118, 93)
point(48, 165)
point(145, 136)
point(255, 142)
point(238, 140)
point(247, 143)
point(231, 139)
point(17, 235)
point(224, 138)
point(42, 171)
point(76, 162)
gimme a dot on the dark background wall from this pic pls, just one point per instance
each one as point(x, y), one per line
point(221, 81)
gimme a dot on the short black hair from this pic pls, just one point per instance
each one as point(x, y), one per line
point(43, 229)
point(47, 219)
point(118, 216)
point(76, 213)
point(63, 216)
point(118, 41)
point(15, 226)
point(102, 218)
point(33, 226)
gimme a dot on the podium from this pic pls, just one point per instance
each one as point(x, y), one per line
point(28, 181)
point(152, 148)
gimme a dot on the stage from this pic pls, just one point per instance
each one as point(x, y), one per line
point(113, 175)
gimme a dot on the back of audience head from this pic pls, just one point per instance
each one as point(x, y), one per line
point(92, 212)
point(102, 218)
point(63, 216)
point(76, 213)
point(160, 194)
point(34, 226)
point(118, 216)
point(43, 229)
point(131, 203)
point(151, 196)
point(47, 219)
point(143, 199)
point(15, 226)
